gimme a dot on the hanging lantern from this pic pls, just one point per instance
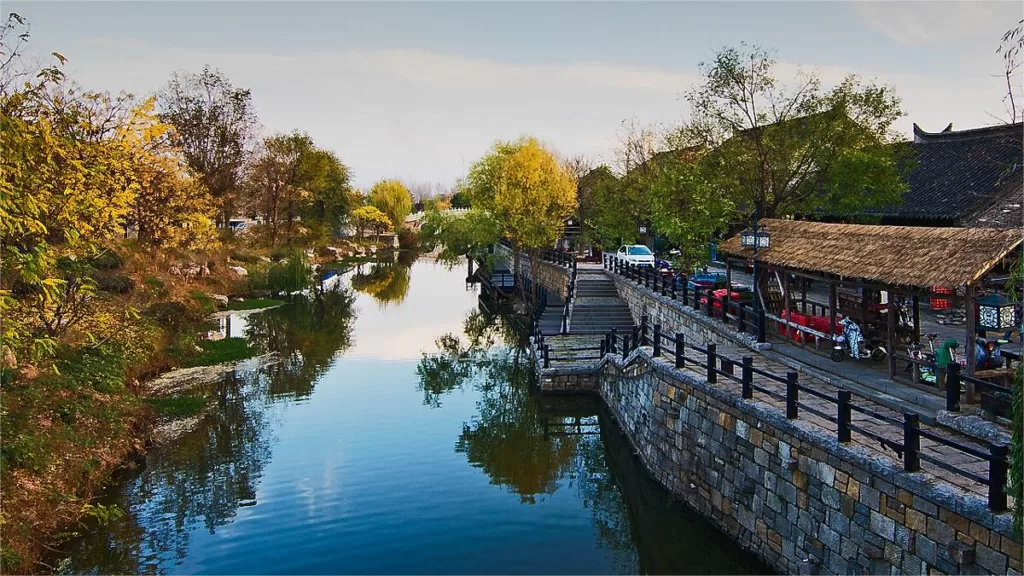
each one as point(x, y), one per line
point(755, 239)
point(995, 313)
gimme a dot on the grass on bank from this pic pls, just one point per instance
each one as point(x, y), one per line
point(219, 351)
point(177, 406)
point(254, 304)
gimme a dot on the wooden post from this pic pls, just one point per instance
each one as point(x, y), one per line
point(728, 276)
point(969, 348)
point(803, 295)
point(891, 336)
point(832, 306)
point(917, 318)
point(785, 302)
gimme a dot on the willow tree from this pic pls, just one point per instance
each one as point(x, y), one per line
point(780, 146)
point(527, 191)
point(392, 198)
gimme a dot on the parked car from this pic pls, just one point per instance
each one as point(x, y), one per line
point(637, 254)
point(704, 280)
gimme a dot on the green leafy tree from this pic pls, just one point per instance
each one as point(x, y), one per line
point(458, 235)
point(798, 150)
point(524, 188)
point(393, 199)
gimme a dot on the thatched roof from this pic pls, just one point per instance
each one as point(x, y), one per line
point(895, 255)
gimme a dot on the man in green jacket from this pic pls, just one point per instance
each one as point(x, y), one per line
point(943, 357)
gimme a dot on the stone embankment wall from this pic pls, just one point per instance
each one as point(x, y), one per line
point(551, 276)
point(798, 499)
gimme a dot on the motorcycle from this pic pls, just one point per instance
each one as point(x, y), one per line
point(987, 355)
point(851, 342)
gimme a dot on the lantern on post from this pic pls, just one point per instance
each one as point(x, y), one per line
point(995, 313)
point(756, 239)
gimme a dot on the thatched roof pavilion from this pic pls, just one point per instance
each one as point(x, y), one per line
point(895, 259)
point(906, 256)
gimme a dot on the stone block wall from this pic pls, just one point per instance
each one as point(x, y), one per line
point(674, 317)
point(798, 499)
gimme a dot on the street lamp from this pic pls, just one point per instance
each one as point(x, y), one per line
point(756, 239)
point(995, 313)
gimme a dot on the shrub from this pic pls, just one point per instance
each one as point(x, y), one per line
point(408, 239)
point(172, 315)
point(107, 260)
point(206, 304)
point(245, 257)
point(289, 275)
point(113, 282)
point(279, 253)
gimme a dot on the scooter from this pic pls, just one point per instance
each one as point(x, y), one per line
point(917, 352)
point(849, 343)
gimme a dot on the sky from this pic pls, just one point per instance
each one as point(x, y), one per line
point(420, 90)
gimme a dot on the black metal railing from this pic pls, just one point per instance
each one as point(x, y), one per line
point(672, 285)
point(751, 379)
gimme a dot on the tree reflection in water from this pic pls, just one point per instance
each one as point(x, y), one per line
point(203, 478)
point(532, 446)
point(506, 438)
point(386, 282)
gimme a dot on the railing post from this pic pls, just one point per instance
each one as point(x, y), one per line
point(792, 396)
point(911, 442)
point(680, 351)
point(845, 396)
point(760, 323)
point(997, 472)
point(953, 386)
point(643, 331)
point(742, 327)
point(710, 299)
point(547, 356)
point(725, 308)
point(747, 380)
point(664, 283)
point(604, 346)
point(657, 341)
point(696, 298)
point(712, 357)
point(614, 339)
point(672, 282)
point(625, 346)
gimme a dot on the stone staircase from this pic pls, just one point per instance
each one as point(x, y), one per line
point(551, 318)
point(596, 306)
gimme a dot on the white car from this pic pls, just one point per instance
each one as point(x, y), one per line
point(637, 254)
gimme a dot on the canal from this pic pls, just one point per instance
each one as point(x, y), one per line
point(399, 433)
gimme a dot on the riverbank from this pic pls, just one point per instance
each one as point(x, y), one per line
point(94, 405)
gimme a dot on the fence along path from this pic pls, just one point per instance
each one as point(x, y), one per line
point(872, 426)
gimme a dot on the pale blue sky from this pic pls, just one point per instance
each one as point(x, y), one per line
point(419, 90)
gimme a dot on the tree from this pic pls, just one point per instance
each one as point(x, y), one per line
point(274, 178)
point(371, 217)
point(458, 235)
point(214, 124)
point(527, 191)
point(596, 193)
point(392, 198)
point(1010, 49)
point(780, 151)
point(685, 208)
point(170, 209)
point(622, 206)
point(461, 200)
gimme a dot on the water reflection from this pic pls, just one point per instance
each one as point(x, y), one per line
point(534, 446)
point(330, 462)
point(386, 282)
point(201, 480)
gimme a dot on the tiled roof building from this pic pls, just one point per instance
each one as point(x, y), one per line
point(966, 178)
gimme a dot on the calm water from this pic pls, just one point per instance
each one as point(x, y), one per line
point(398, 435)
